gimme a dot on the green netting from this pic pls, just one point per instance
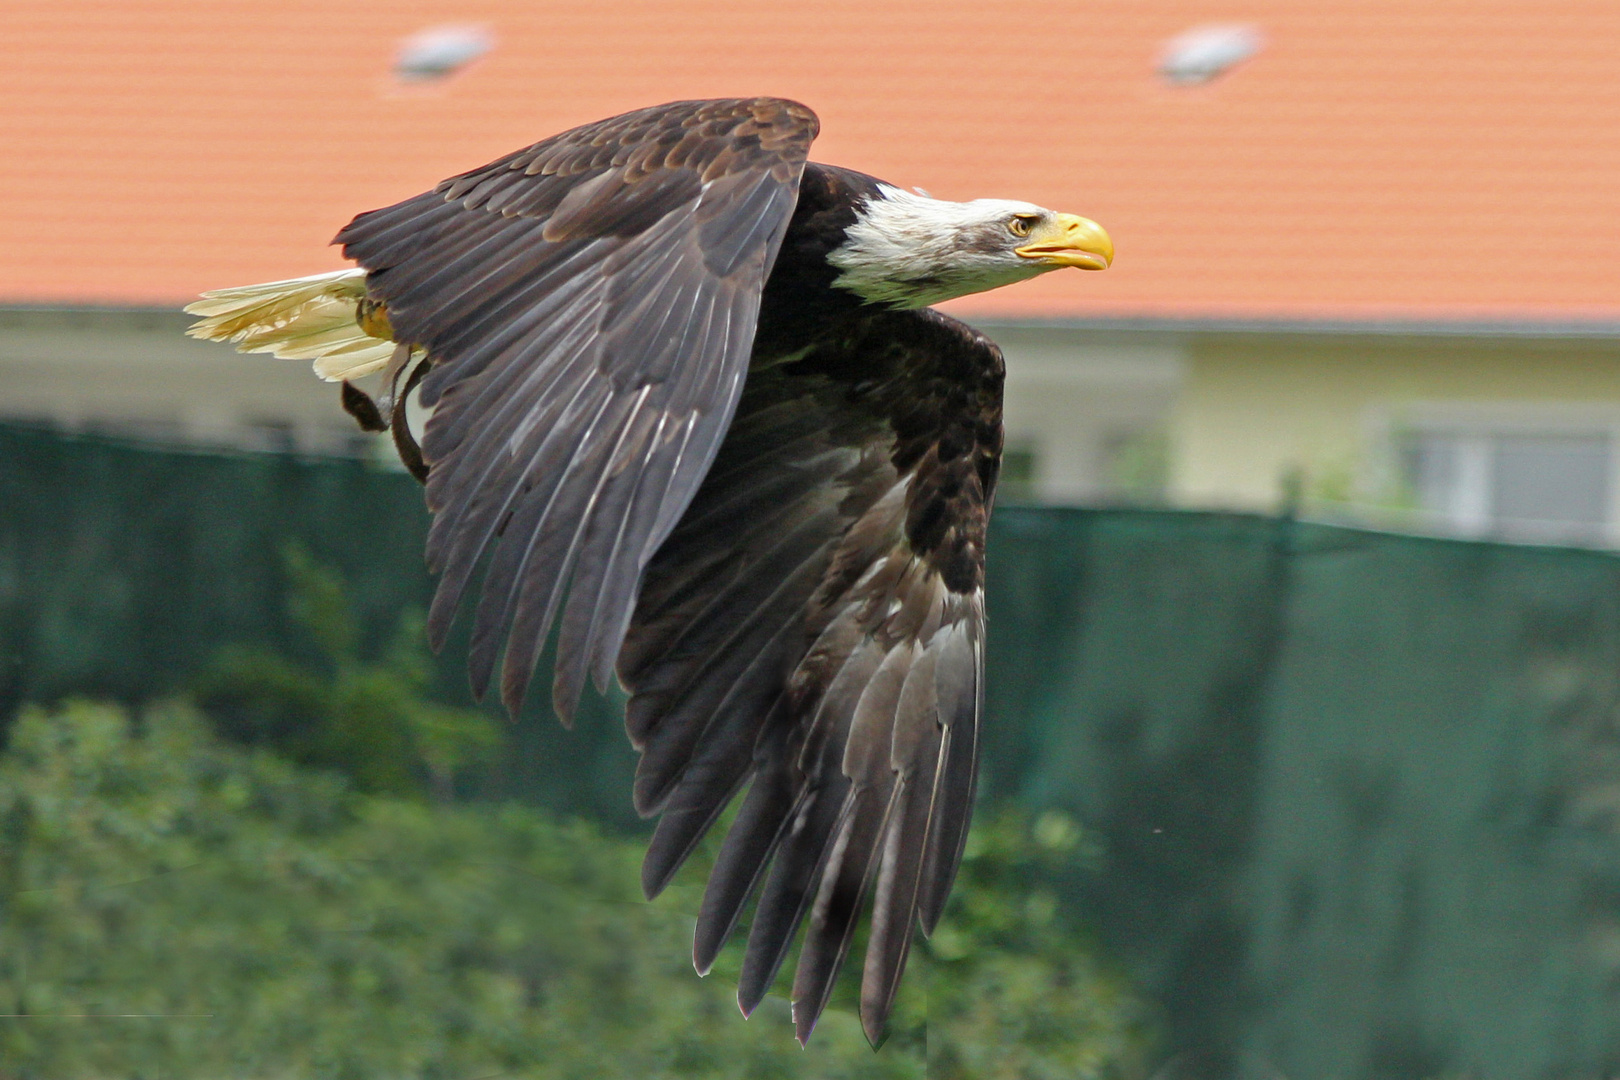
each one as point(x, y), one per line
point(125, 569)
point(1352, 799)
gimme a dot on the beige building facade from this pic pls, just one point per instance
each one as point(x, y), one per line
point(132, 373)
point(1494, 433)
point(1507, 432)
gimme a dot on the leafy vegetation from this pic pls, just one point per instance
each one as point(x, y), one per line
point(371, 719)
point(176, 906)
point(1015, 992)
point(280, 903)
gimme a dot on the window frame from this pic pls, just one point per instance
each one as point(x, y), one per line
point(1390, 429)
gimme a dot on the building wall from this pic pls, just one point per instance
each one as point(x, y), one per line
point(1086, 412)
point(1198, 419)
point(1258, 414)
point(1082, 407)
point(135, 373)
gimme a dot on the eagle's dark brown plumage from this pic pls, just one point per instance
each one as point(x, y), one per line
point(668, 419)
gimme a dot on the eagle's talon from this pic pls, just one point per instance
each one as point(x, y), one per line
point(358, 404)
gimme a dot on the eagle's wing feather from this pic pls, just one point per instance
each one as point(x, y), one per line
point(814, 628)
point(589, 305)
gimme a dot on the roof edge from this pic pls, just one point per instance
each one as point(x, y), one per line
point(102, 315)
point(1559, 329)
point(1158, 325)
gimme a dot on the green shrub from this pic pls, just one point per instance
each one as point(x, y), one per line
point(369, 718)
point(177, 907)
point(1015, 992)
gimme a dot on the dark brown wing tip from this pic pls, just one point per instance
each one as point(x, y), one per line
point(876, 1027)
point(930, 911)
point(804, 1021)
point(752, 991)
point(655, 878)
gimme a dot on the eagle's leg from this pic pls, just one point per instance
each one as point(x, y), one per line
point(390, 378)
point(404, 441)
point(373, 319)
point(370, 413)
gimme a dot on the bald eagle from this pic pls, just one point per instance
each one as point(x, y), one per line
point(690, 404)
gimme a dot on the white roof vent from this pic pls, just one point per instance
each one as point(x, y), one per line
point(1204, 52)
point(440, 51)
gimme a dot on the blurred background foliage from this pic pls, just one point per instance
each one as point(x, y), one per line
point(371, 718)
point(178, 906)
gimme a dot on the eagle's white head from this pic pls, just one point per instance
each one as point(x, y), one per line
point(909, 251)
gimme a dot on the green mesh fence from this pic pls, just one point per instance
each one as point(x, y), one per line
point(1352, 799)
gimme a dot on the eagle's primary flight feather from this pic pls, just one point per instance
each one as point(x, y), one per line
point(688, 404)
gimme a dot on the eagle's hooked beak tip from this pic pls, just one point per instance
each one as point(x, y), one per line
point(1070, 240)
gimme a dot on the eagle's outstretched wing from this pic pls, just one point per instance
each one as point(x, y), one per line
point(808, 622)
point(589, 305)
point(814, 628)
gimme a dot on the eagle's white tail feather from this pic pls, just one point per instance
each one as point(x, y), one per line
point(307, 318)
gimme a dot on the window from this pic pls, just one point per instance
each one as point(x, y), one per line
point(1513, 481)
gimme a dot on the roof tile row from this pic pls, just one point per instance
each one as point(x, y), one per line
point(1378, 158)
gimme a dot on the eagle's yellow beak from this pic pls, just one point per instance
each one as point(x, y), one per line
point(1070, 240)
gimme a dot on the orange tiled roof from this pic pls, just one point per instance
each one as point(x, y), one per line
point(1449, 159)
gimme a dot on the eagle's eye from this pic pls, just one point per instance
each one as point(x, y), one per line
point(1022, 223)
